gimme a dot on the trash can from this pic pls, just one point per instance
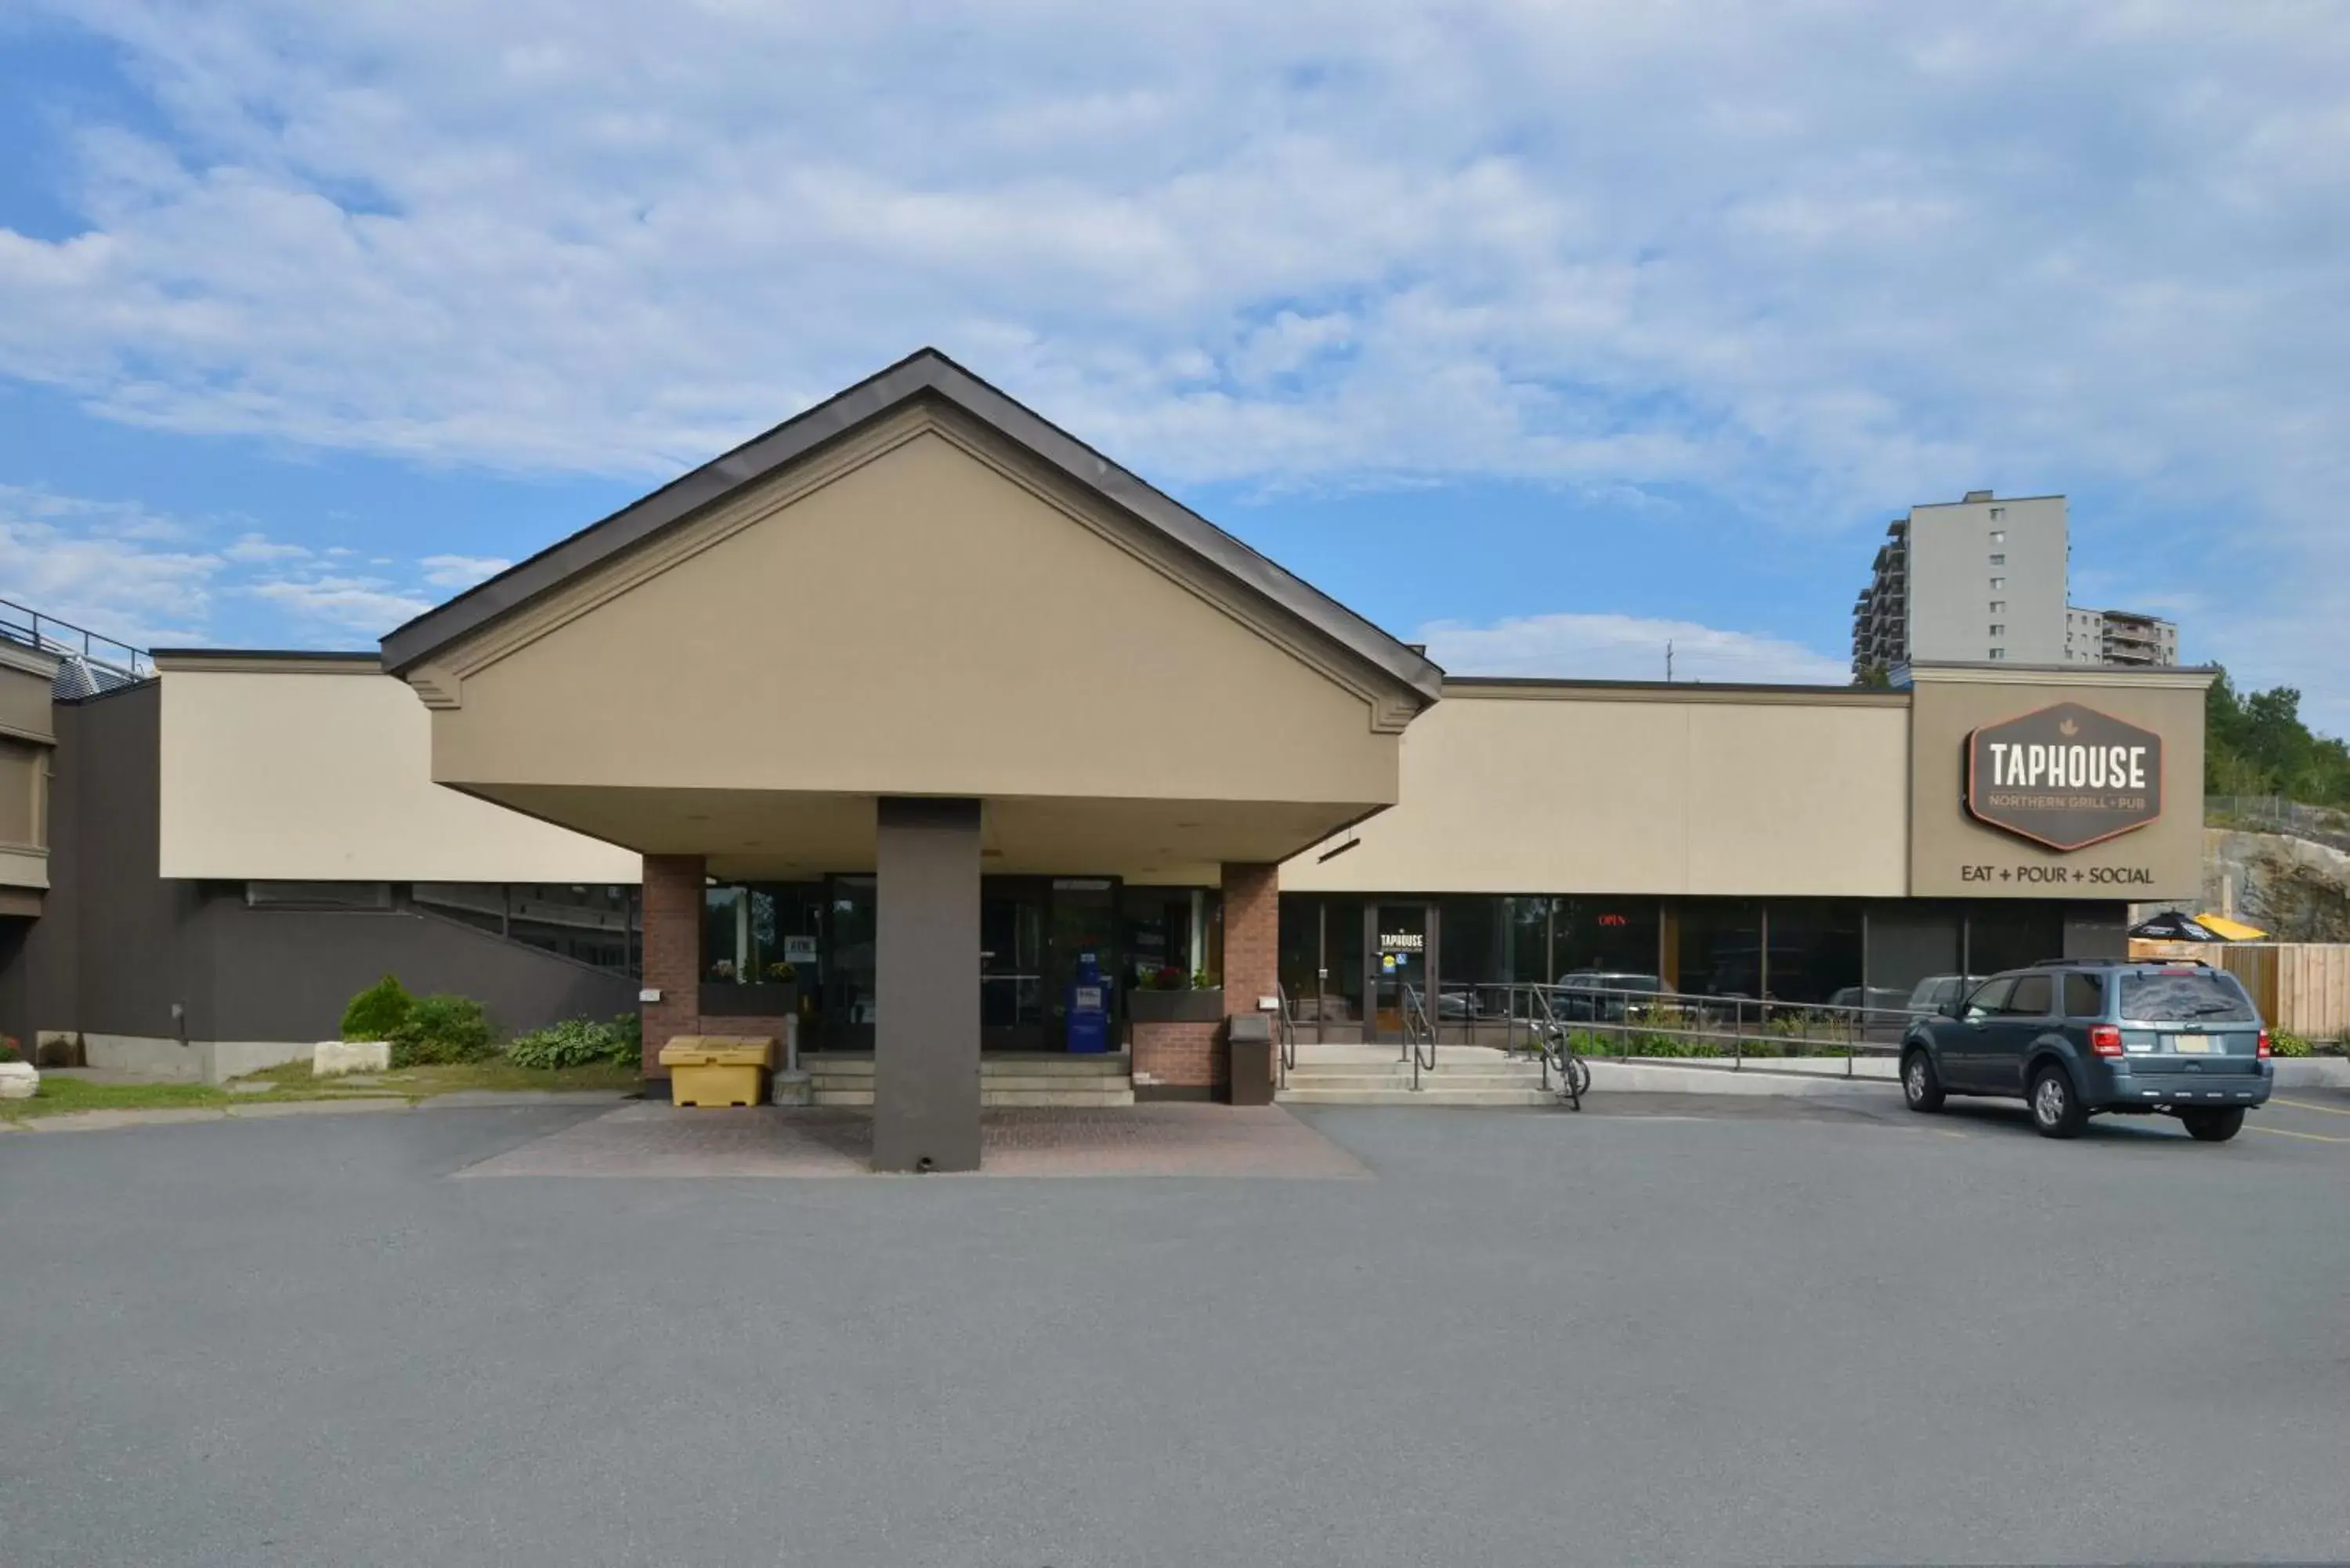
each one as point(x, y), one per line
point(718, 1069)
point(1251, 1038)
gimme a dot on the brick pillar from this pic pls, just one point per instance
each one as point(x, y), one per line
point(1252, 935)
point(673, 903)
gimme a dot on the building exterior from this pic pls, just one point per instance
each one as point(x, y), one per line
point(965, 703)
point(2119, 636)
point(1984, 579)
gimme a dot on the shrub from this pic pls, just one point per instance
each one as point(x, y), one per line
point(2285, 1044)
point(9, 1050)
point(378, 1012)
point(577, 1042)
point(441, 1030)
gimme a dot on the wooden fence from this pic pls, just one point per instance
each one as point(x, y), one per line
point(2302, 988)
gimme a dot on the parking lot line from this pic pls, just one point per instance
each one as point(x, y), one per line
point(2289, 1132)
point(2313, 1106)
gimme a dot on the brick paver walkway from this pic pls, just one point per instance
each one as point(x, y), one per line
point(654, 1141)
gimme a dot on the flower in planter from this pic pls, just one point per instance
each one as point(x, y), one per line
point(782, 974)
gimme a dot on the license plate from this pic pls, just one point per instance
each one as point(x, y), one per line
point(2192, 1045)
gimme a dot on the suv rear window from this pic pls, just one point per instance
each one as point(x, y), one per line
point(2084, 996)
point(2177, 998)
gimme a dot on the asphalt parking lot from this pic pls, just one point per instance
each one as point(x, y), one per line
point(1672, 1329)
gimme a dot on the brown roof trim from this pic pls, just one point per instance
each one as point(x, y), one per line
point(274, 660)
point(926, 373)
point(1683, 690)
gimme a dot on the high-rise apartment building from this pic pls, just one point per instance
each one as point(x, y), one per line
point(1984, 580)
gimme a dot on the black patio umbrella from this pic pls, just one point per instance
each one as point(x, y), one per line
point(2175, 925)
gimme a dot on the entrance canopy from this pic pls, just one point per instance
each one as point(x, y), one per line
point(918, 588)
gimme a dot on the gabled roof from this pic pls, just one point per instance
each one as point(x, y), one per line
point(925, 374)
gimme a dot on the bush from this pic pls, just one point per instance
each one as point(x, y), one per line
point(2285, 1044)
point(443, 1029)
point(578, 1042)
point(378, 1012)
point(9, 1050)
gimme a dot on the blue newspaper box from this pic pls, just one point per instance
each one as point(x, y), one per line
point(1088, 1006)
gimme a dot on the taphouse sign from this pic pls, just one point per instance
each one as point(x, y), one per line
point(2065, 776)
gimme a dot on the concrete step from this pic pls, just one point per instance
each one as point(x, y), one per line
point(1104, 1067)
point(1058, 1100)
point(1054, 1098)
point(1477, 1075)
point(1056, 1083)
point(1406, 1096)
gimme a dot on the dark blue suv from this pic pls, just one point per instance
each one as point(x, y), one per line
point(2073, 1038)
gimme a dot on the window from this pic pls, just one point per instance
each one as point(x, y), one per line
point(2173, 996)
point(2030, 999)
point(2084, 996)
point(1992, 997)
point(1999, 653)
point(1999, 511)
point(1998, 559)
point(1999, 606)
point(1998, 630)
point(1998, 535)
point(318, 895)
point(1997, 584)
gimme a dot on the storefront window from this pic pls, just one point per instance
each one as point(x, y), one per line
point(1158, 932)
point(1301, 952)
point(1342, 960)
point(1816, 950)
point(1473, 958)
point(1720, 948)
point(1530, 941)
point(849, 978)
point(2010, 936)
point(1613, 936)
point(590, 923)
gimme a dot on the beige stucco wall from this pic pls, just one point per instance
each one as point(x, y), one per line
point(316, 773)
point(1954, 855)
point(1559, 789)
point(924, 616)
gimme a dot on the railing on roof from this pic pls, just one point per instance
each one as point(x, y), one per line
point(95, 663)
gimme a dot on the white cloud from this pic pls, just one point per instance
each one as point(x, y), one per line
point(1824, 260)
point(96, 564)
point(461, 571)
point(367, 605)
point(1623, 648)
point(256, 547)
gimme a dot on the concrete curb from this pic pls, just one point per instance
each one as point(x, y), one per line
point(109, 1121)
point(1656, 1078)
point(2312, 1073)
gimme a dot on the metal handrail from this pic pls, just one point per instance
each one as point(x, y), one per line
point(1417, 1032)
point(1287, 1055)
point(22, 623)
point(1728, 1029)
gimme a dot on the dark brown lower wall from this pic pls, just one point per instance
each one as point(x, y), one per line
point(280, 974)
point(1181, 1061)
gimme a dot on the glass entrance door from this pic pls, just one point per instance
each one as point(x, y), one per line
point(1084, 920)
point(1399, 940)
point(1013, 999)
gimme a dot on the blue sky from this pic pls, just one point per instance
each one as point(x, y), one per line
point(1544, 332)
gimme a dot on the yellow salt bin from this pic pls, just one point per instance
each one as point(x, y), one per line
point(718, 1069)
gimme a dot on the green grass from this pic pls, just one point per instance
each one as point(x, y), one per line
point(293, 1081)
point(422, 1083)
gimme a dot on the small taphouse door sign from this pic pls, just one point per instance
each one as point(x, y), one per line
point(2065, 776)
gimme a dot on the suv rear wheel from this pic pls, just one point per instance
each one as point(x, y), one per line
point(2056, 1109)
point(1920, 1085)
point(2216, 1123)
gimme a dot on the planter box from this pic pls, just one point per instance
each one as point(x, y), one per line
point(762, 999)
point(1175, 1006)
